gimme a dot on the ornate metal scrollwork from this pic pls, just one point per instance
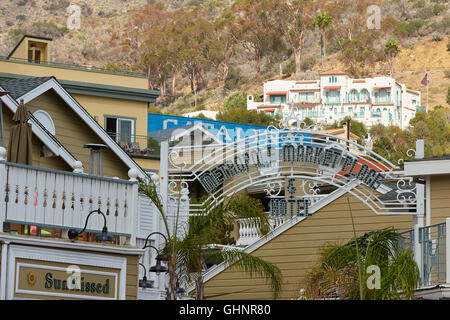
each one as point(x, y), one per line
point(310, 187)
point(174, 187)
point(405, 187)
point(271, 190)
point(294, 120)
point(173, 156)
point(410, 154)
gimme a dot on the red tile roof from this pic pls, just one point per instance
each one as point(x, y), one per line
point(332, 87)
point(305, 90)
point(272, 93)
point(332, 72)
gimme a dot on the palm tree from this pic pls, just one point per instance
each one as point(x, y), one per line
point(392, 49)
point(188, 255)
point(208, 228)
point(337, 273)
point(322, 21)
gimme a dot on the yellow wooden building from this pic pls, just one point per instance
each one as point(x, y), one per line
point(117, 101)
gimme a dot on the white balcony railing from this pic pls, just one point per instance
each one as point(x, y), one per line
point(60, 199)
point(249, 229)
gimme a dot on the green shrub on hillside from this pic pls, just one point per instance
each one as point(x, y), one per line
point(411, 27)
point(237, 100)
point(244, 116)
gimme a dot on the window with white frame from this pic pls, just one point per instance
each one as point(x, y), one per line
point(120, 129)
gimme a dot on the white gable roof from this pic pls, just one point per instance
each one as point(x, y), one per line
point(47, 139)
point(86, 117)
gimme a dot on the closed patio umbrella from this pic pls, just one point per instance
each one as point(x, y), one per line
point(20, 143)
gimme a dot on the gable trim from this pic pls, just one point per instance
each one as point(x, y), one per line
point(46, 138)
point(86, 117)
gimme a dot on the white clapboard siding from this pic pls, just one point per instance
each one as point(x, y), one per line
point(183, 216)
point(54, 198)
point(146, 210)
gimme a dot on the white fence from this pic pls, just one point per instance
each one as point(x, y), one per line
point(54, 198)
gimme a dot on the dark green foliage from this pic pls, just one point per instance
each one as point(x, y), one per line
point(336, 274)
point(411, 27)
point(48, 29)
point(236, 100)
point(434, 127)
point(244, 116)
point(356, 127)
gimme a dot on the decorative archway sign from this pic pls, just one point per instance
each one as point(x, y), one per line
point(294, 165)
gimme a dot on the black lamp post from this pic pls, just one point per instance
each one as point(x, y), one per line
point(158, 268)
point(144, 283)
point(103, 237)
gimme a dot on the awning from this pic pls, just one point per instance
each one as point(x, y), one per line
point(305, 90)
point(270, 110)
point(268, 106)
point(276, 93)
point(376, 88)
point(332, 87)
point(305, 106)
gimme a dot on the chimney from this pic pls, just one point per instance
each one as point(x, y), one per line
point(95, 158)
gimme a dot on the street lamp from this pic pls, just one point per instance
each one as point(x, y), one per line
point(103, 237)
point(144, 283)
point(158, 268)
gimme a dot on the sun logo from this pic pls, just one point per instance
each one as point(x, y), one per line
point(31, 278)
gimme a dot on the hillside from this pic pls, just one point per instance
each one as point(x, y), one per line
point(422, 27)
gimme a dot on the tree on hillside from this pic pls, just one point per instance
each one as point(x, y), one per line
point(322, 21)
point(359, 53)
point(237, 99)
point(244, 116)
point(298, 15)
point(392, 49)
point(193, 34)
point(145, 42)
point(223, 45)
point(258, 32)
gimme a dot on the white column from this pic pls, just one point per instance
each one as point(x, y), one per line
point(163, 185)
point(447, 249)
point(3, 183)
point(133, 207)
point(420, 188)
point(418, 250)
point(3, 271)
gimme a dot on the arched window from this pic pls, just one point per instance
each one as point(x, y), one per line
point(45, 120)
point(364, 95)
point(353, 96)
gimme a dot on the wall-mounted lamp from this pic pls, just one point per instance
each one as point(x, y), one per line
point(158, 268)
point(103, 237)
point(144, 283)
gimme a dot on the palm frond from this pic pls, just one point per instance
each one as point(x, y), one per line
point(254, 266)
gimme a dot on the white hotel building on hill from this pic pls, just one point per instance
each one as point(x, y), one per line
point(378, 99)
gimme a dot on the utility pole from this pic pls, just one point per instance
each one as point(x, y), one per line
point(347, 123)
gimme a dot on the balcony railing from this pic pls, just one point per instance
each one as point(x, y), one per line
point(137, 145)
point(59, 199)
point(433, 243)
point(309, 100)
point(332, 101)
point(382, 100)
point(73, 66)
point(429, 245)
point(250, 229)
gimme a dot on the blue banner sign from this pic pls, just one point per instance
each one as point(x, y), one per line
point(226, 131)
